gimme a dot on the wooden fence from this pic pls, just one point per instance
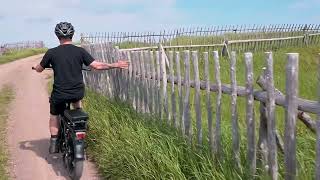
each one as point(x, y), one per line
point(160, 83)
point(20, 45)
point(208, 35)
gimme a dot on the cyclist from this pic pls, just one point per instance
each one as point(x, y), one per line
point(66, 61)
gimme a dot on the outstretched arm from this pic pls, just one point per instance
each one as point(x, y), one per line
point(106, 66)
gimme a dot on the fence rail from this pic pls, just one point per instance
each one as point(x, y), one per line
point(153, 87)
point(20, 45)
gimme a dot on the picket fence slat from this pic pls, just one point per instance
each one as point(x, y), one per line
point(153, 83)
point(166, 114)
point(130, 79)
point(181, 122)
point(173, 95)
point(149, 80)
point(251, 150)
point(271, 125)
point(145, 76)
point(159, 102)
point(291, 111)
point(197, 97)
point(134, 81)
point(217, 140)
point(234, 113)
point(143, 88)
point(138, 84)
point(140, 81)
point(208, 100)
point(186, 103)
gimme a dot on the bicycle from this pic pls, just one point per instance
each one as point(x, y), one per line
point(72, 132)
point(71, 135)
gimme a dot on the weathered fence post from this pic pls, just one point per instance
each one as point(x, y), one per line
point(251, 149)
point(145, 76)
point(291, 111)
point(136, 74)
point(130, 79)
point(164, 85)
point(117, 75)
point(271, 125)
point(143, 88)
point(209, 106)
point(159, 101)
point(186, 103)
point(150, 80)
point(179, 92)
point(217, 137)
point(153, 83)
point(234, 113)
point(173, 95)
point(197, 97)
point(139, 83)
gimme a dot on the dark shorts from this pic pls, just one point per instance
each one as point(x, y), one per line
point(58, 99)
point(58, 106)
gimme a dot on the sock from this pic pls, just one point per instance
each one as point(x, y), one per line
point(54, 136)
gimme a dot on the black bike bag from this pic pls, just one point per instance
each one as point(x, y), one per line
point(75, 115)
point(77, 118)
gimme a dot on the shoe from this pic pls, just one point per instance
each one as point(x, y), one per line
point(54, 148)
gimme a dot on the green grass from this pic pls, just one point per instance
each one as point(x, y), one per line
point(219, 39)
point(127, 145)
point(15, 55)
point(6, 95)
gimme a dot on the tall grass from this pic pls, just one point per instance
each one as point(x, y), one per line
point(15, 55)
point(127, 145)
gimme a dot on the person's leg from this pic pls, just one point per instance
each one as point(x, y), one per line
point(54, 125)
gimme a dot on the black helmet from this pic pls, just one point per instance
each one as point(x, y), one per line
point(64, 30)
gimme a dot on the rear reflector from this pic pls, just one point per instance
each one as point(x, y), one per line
point(80, 135)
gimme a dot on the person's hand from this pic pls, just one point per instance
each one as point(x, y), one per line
point(122, 64)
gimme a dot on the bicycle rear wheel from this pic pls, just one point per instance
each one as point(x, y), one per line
point(74, 166)
point(77, 169)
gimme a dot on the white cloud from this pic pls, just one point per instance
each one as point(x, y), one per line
point(35, 19)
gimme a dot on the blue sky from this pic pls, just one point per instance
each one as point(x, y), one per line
point(36, 19)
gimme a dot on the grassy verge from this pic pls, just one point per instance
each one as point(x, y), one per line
point(15, 55)
point(6, 95)
point(127, 145)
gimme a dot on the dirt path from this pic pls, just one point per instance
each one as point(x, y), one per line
point(28, 125)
